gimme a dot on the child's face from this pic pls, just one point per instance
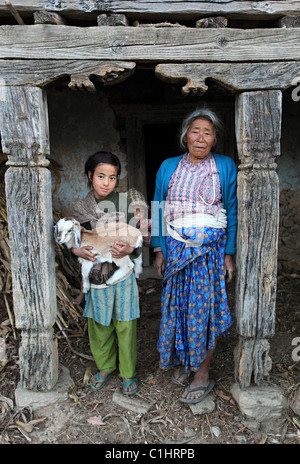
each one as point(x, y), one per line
point(104, 180)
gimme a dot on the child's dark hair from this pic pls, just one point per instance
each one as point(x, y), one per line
point(101, 157)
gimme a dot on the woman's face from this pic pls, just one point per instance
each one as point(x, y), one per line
point(199, 139)
point(104, 180)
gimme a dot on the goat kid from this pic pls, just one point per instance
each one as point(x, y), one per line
point(68, 231)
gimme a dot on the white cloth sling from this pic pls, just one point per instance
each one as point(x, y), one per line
point(198, 221)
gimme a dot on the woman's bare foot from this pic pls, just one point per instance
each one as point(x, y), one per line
point(197, 390)
point(201, 385)
point(180, 376)
point(194, 385)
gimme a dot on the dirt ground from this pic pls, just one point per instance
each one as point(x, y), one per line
point(89, 417)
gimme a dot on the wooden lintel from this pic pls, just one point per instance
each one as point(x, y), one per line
point(151, 44)
point(161, 8)
point(234, 77)
point(80, 73)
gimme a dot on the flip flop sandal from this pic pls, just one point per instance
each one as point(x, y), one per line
point(127, 384)
point(181, 371)
point(206, 391)
point(98, 379)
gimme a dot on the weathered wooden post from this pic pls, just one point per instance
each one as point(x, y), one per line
point(25, 139)
point(258, 132)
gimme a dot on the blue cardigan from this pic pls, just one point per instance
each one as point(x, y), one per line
point(228, 175)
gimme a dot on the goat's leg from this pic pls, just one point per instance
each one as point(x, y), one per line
point(125, 265)
point(138, 265)
point(86, 267)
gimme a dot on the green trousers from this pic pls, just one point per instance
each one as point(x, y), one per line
point(106, 350)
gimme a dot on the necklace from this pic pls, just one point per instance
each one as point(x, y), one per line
point(213, 182)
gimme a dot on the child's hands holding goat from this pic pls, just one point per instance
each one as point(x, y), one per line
point(121, 249)
point(84, 253)
point(118, 250)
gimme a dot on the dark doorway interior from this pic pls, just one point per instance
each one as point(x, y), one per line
point(161, 142)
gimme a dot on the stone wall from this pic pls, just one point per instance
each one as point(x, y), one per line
point(289, 175)
point(81, 123)
point(289, 232)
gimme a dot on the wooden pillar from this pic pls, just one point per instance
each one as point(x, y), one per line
point(24, 135)
point(258, 132)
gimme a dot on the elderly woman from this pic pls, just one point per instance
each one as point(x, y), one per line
point(193, 235)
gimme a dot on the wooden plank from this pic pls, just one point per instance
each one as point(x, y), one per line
point(159, 8)
point(234, 77)
point(149, 44)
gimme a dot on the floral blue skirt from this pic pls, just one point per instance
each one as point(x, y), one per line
point(194, 299)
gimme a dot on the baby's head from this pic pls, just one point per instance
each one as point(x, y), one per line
point(137, 204)
point(139, 212)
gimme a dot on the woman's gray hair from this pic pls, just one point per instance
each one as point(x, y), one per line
point(199, 113)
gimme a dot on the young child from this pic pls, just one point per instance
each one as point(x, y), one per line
point(136, 204)
point(140, 211)
point(112, 311)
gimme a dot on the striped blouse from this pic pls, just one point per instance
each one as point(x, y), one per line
point(194, 188)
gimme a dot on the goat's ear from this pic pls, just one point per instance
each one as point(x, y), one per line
point(55, 232)
point(76, 230)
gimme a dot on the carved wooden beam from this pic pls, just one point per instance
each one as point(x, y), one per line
point(25, 139)
point(108, 73)
point(46, 41)
point(234, 77)
point(81, 73)
point(258, 132)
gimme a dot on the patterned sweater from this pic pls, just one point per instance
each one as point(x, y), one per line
point(228, 176)
point(194, 188)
